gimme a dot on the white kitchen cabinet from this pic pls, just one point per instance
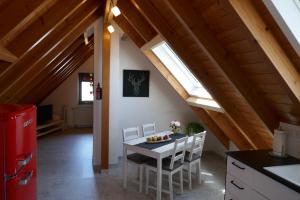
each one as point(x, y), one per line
point(246, 183)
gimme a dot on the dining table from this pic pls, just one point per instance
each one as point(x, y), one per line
point(158, 151)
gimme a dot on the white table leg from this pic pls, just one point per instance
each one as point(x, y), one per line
point(159, 178)
point(125, 166)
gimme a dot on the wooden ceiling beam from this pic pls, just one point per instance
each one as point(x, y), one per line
point(107, 16)
point(268, 42)
point(43, 26)
point(137, 20)
point(212, 126)
point(261, 140)
point(53, 46)
point(27, 20)
point(197, 28)
point(6, 55)
point(38, 78)
point(14, 12)
point(57, 71)
point(53, 81)
point(231, 131)
point(67, 74)
point(130, 30)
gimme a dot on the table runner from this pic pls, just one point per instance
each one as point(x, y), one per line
point(157, 145)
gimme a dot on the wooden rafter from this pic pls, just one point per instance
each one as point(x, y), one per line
point(64, 77)
point(6, 55)
point(53, 45)
point(260, 139)
point(39, 78)
point(43, 26)
point(231, 131)
point(211, 125)
point(197, 28)
point(59, 71)
point(13, 12)
point(27, 20)
point(27, 78)
point(49, 84)
point(133, 34)
point(268, 43)
point(138, 22)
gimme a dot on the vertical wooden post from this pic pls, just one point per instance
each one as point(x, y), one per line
point(105, 97)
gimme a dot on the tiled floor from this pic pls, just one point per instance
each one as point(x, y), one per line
point(65, 173)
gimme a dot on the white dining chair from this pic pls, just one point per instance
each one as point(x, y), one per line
point(131, 133)
point(135, 158)
point(148, 129)
point(170, 166)
point(193, 156)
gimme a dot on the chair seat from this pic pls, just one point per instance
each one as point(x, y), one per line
point(194, 157)
point(137, 158)
point(165, 164)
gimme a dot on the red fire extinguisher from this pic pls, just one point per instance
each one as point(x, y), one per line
point(98, 92)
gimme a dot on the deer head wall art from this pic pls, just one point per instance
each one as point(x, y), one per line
point(135, 83)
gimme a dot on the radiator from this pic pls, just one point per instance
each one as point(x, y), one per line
point(82, 116)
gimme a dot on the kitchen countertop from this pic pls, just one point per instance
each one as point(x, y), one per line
point(258, 159)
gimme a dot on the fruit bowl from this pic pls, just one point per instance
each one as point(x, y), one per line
point(157, 139)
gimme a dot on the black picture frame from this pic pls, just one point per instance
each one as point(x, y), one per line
point(136, 83)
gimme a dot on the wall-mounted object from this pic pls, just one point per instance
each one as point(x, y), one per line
point(136, 83)
point(98, 92)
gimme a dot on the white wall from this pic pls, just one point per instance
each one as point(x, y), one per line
point(293, 138)
point(67, 94)
point(162, 106)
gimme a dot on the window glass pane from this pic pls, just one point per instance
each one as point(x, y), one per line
point(86, 91)
point(186, 78)
point(287, 15)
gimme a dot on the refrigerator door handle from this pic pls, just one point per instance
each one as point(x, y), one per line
point(26, 179)
point(25, 161)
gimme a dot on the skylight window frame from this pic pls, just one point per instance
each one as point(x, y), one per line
point(285, 14)
point(194, 100)
point(197, 90)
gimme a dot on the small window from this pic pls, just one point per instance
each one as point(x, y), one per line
point(86, 89)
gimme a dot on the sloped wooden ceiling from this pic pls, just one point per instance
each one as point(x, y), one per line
point(45, 45)
point(217, 46)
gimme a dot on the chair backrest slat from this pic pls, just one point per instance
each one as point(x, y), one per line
point(148, 129)
point(197, 144)
point(130, 133)
point(178, 151)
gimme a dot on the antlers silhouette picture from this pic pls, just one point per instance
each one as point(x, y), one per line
point(135, 83)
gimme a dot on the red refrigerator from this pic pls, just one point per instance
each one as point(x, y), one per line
point(18, 152)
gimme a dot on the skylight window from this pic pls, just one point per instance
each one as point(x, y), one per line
point(179, 70)
point(287, 15)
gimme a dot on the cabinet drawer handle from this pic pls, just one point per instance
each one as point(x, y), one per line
point(233, 183)
point(238, 166)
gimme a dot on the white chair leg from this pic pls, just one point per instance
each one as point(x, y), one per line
point(190, 175)
point(181, 181)
point(141, 168)
point(171, 186)
point(199, 171)
point(147, 180)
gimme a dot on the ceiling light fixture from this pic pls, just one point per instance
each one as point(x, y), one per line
point(110, 29)
point(116, 11)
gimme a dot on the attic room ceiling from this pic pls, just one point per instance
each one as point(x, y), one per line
point(41, 44)
point(241, 66)
point(226, 57)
